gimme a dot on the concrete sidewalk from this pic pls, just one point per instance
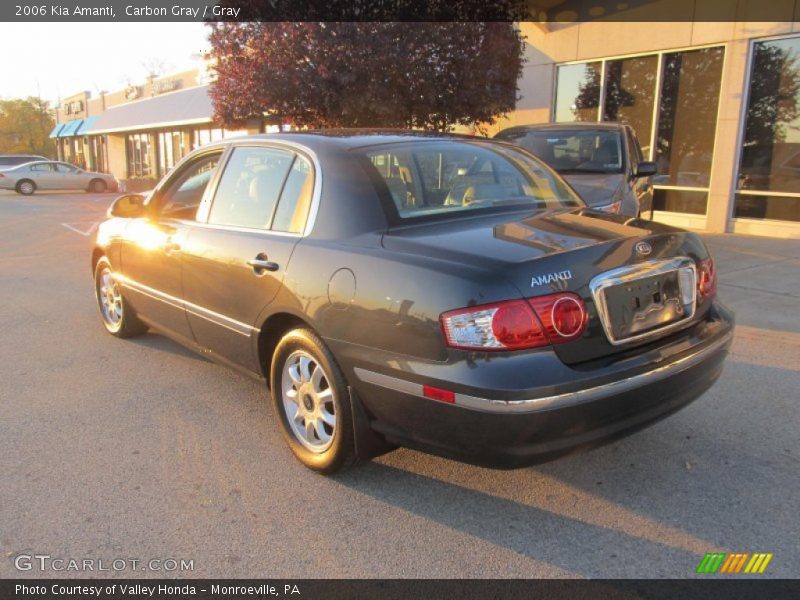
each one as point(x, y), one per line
point(759, 278)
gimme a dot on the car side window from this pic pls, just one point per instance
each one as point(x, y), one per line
point(250, 186)
point(184, 191)
point(295, 201)
point(46, 167)
point(65, 168)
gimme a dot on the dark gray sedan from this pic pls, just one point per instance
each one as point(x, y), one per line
point(450, 294)
point(603, 162)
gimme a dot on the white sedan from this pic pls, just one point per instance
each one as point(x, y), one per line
point(53, 175)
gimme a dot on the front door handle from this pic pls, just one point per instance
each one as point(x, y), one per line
point(261, 263)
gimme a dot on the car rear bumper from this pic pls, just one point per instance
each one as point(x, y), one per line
point(513, 428)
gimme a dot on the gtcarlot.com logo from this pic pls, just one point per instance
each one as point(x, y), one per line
point(45, 562)
point(736, 563)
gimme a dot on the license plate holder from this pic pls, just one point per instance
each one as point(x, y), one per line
point(645, 300)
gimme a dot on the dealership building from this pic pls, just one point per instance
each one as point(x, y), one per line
point(140, 132)
point(715, 104)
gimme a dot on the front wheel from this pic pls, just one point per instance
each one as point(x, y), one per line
point(118, 318)
point(310, 397)
point(97, 186)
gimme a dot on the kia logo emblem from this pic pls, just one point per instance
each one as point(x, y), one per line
point(643, 248)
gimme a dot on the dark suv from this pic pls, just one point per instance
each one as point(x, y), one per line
point(603, 162)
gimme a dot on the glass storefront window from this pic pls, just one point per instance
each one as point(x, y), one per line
point(578, 92)
point(171, 148)
point(687, 117)
point(140, 159)
point(630, 95)
point(684, 106)
point(770, 158)
point(682, 201)
point(764, 206)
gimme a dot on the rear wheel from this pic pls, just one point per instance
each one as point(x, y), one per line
point(97, 186)
point(118, 318)
point(26, 187)
point(310, 396)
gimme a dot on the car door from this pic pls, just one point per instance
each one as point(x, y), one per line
point(235, 261)
point(68, 177)
point(43, 175)
point(151, 250)
point(642, 186)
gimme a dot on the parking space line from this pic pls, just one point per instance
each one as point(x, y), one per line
point(83, 232)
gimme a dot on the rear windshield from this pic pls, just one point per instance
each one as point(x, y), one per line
point(573, 151)
point(435, 178)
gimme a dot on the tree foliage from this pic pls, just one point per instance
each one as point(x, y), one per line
point(25, 126)
point(380, 74)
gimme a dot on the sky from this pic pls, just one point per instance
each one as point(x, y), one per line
point(56, 60)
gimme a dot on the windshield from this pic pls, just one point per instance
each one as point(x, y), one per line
point(573, 151)
point(443, 177)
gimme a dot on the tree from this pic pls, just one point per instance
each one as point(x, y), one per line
point(372, 74)
point(25, 126)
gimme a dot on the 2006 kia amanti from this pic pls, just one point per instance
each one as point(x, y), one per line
point(448, 294)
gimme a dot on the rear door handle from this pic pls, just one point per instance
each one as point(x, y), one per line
point(261, 263)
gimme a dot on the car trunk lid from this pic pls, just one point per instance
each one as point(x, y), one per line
point(551, 251)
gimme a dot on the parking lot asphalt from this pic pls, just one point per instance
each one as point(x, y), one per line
point(140, 449)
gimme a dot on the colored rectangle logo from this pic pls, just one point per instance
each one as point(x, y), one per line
point(734, 563)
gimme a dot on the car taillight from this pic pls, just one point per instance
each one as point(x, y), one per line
point(706, 278)
point(611, 208)
point(516, 324)
point(563, 316)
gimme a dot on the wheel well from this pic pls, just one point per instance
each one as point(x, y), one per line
point(21, 181)
point(96, 179)
point(96, 254)
point(272, 331)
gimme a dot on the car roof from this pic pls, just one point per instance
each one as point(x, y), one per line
point(354, 138)
point(565, 126)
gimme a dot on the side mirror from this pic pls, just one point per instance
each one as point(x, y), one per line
point(646, 169)
point(129, 206)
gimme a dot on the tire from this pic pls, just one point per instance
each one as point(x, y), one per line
point(97, 186)
point(310, 397)
point(116, 314)
point(25, 187)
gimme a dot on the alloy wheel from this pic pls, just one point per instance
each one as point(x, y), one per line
point(110, 298)
point(308, 401)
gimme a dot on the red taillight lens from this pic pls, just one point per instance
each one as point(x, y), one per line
point(516, 324)
point(563, 316)
point(706, 278)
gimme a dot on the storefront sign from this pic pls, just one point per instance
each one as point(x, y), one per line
point(166, 85)
point(73, 107)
